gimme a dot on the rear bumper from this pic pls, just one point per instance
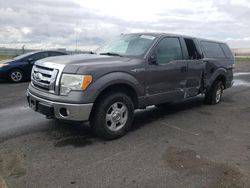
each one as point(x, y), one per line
point(58, 110)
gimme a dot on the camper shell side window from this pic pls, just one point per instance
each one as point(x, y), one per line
point(212, 50)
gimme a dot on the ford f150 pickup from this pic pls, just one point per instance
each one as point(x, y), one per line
point(130, 72)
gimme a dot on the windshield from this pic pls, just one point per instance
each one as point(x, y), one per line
point(127, 45)
point(23, 55)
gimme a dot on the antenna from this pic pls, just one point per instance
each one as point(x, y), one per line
point(23, 48)
point(76, 42)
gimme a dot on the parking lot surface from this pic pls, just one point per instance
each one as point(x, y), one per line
point(189, 144)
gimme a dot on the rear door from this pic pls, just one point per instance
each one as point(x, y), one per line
point(193, 56)
point(166, 72)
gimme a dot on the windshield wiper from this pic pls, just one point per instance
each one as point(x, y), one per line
point(111, 54)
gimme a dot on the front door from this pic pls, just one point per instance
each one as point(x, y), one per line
point(166, 75)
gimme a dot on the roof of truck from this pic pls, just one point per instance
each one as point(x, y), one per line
point(176, 35)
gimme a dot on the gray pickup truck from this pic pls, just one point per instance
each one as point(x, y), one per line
point(130, 72)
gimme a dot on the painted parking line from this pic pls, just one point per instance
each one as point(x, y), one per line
point(241, 73)
point(239, 82)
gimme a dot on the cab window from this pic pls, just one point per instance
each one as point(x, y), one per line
point(38, 56)
point(193, 53)
point(168, 49)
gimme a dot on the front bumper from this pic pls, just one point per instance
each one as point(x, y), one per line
point(58, 110)
point(3, 73)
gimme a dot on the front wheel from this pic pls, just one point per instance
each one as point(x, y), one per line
point(112, 116)
point(214, 95)
point(16, 75)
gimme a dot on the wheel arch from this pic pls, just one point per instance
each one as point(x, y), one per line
point(16, 68)
point(117, 81)
point(220, 74)
point(221, 78)
point(119, 87)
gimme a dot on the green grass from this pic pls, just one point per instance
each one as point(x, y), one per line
point(3, 57)
point(242, 59)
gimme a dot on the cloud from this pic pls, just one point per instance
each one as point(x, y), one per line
point(60, 23)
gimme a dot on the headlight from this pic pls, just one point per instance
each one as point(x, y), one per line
point(71, 82)
point(3, 65)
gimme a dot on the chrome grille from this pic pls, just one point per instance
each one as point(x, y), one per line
point(44, 78)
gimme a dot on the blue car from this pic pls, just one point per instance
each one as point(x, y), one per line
point(19, 68)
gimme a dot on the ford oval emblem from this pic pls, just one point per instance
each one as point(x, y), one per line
point(38, 76)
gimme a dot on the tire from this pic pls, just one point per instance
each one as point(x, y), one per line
point(112, 116)
point(16, 75)
point(214, 95)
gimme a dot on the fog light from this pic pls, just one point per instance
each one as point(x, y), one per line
point(64, 112)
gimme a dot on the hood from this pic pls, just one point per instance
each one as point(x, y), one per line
point(81, 59)
point(86, 62)
point(6, 61)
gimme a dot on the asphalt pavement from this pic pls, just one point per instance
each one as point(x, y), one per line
point(189, 144)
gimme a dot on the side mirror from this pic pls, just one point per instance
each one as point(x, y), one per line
point(152, 60)
point(30, 60)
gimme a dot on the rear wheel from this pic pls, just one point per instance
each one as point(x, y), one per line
point(214, 95)
point(16, 75)
point(112, 116)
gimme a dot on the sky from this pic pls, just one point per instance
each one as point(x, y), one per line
point(86, 24)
